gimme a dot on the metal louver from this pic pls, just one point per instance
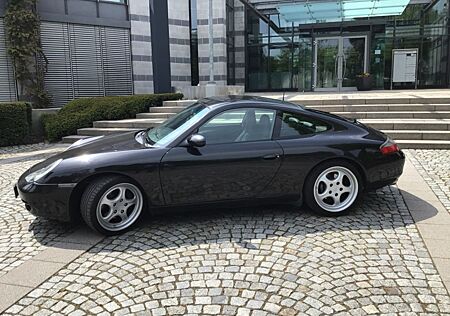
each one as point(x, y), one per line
point(116, 61)
point(55, 45)
point(86, 61)
point(7, 81)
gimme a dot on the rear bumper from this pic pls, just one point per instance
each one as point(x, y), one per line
point(46, 200)
point(387, 172)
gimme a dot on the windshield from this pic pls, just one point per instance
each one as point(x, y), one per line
point(172, 128)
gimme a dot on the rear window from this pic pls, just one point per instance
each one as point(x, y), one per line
point(297, 125)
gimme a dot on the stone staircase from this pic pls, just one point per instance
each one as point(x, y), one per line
point(413, 123)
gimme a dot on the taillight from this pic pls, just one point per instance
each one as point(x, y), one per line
point(389, 147)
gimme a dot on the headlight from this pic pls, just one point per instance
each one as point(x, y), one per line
point(84, 141)
point(39, 174)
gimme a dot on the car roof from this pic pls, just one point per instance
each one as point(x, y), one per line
point(216, 102)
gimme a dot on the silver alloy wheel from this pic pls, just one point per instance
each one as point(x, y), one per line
point(335, 189)
point(119, 207)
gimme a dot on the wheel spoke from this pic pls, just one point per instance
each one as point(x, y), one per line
point(339, 178)
point(110, 215)
point(131, 201)
point(325, 180)
point(117, 198)
point(347, 189)
point(123, 216)
point(108, 202)
point(336, 199)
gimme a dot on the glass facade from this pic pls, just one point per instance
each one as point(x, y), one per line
point(288, 56)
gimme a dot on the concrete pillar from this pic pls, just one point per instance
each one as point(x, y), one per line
point(141, 46)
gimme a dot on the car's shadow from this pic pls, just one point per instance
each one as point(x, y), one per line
point(384, 209)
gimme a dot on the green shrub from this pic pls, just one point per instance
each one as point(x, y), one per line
point(82, 113)
point(15, 123)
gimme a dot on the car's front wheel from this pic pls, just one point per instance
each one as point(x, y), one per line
point(332, 188)
point(111, 205)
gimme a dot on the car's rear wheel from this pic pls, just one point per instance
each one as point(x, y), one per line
point(333, 188)
point(111, 205)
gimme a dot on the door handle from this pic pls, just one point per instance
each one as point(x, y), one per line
point(271, 157)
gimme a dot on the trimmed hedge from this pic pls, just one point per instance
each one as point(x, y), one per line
point(82, 113)
point(15, 123)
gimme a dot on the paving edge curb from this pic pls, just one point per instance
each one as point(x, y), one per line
point(23, 279)
point(430, 216)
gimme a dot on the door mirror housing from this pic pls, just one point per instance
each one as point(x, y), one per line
point(197, 140)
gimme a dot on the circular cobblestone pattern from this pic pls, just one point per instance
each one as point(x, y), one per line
point(246, 261)
point(22, 236)
point(270, 261)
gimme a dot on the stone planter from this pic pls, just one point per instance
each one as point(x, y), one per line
point(364, 83)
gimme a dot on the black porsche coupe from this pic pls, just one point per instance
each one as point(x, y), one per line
point(218, 150)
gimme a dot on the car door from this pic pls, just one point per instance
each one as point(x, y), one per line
point(238, 161)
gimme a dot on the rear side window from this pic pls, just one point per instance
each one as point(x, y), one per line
point(297, 125)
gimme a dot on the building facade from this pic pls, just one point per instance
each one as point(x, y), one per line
point(120, 47)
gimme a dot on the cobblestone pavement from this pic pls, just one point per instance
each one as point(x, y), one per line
point(21, 235)
point(249, 261)
point(434, 166)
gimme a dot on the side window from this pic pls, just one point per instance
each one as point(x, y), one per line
point(295, 125)
point(239, 125)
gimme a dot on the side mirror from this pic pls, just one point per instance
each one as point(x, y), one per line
point(197, 140)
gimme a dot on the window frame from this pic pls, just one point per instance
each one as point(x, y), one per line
point(278, 122)
point(274, 125)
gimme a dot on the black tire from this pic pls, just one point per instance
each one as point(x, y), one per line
point(91, 197)
point(308, 188)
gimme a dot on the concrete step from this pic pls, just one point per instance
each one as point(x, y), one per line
point(92, 131)
point(344, 106)
point(424, 144)
point(379, 100)
point(381, 107)
point(154, 115)
point(418, 135)
point(182, 103)
point(408, 124)
point(400, 115)
point(165, 109)
point(72, 138)
point(131, 123)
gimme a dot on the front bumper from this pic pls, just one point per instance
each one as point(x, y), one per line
point(46, 200)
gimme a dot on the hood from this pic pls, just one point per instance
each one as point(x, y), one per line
point(122, 151)
point(104, 144)
point(109, 143)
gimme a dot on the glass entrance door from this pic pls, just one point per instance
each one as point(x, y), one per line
point(327, 56)
point(338, 62)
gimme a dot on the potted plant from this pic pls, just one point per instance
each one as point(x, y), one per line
point(364, 82)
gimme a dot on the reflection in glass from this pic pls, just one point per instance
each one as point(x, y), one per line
point(280, 67)
point(353, 60)
point(257, 76)
point(302, 70)
point(327, 63)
